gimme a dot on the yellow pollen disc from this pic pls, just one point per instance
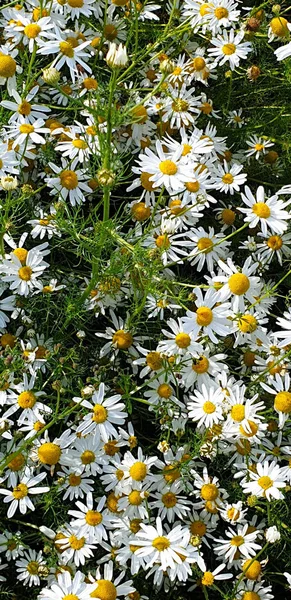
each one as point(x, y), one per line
point(221, 12)
point(26, 128)
point(24, 108)
point(135, 498)
point(21, 254)
point(69, 180)
point(201, 366)
point(7, 66)
point(237, 540)
point(177, 71)
point(168, 167)
point(161, 543)
point(247, 324)
point(31, 31)
point(140, 113)
point(145, 181)
point(275, 242)
point(180, 105)
point(228, 216)
point(169, 499)
point(135, 525)
point(205, 9)
point(81, 144)
point(164, 391)
point(209, 491)
point(251, 596)
point(105, 590)
point(111, 448)
point(211, 507)
point(16, 463)
point(33, 567)
point(175, 206)
point(75, 3)
point(140, 211)
point(93, 517)
point(238, 284)
point(38, 426)
point(233, 514)
point(206, 108)
point(207, 578)
point(183, 340)
point(186, 149)
point(259, 147)
point(229, 49)
point(198, 63)
point(228, 178)
point(76, 543)
point(162, 241)
point(122, 339)
point(265, 482)
point(26, 399)
point(49, 453)
point(87, 457)
point(138, 471)
point(20, 491)
point(261, 210)
point(25, 273)
point(205, 245)
point(198, 528)
point(250, 431)
point(90, 84)
point(209, 407)
point(154, 361)
point(171, 473)
point(238, 412)
point(252, 569)
point(279, 26)
point(249, 358)
point(70, 597)
point(110, 32)
point(67, 49)
point(192, 186)
point(204, 316)
point(74, 480)
point(283, 402)
point(99, 414)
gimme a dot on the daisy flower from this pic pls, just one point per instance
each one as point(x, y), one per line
point(8, 67)
point(179, 107)
point(178, 342)
point(208, 248)
point(266, 482)
point(107, 586)
point(104, 414)
point(205, 407)
point(23, 107)
point(29, 566)
point(280, 389)
point(76, 147)
point(74, 546)
point(274, 246)
point(210, 317)
point(239, 285)
point(258, 590)
point(67, 585)
point(67, 54)
point(257, 146)
point(76, 484)
point(229, 47)
point(19, 496)
point(33, 32)
point(23, 396)
point(165, 171)
point(23, 131)
point(209, 577)
point(89, 520)
point(68, 182)
point(157, 546)
point(223, 14)
point(235, 118)
point(237, 539)
point(268, 213)
point(202, 368)
point(228, 179)
point(170, 504)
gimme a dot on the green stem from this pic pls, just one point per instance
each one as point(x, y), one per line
point(107, 155)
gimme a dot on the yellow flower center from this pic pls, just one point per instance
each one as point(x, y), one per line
point(175, 206)
point(140, 211)
point(183, 340)
point(229, 49)
point(209, 491)
point(110, 32)
point(135, 498)
point(161, 543)
point(168, 167)
point(198, 528)
point(112, 503)
point(26, 128)
point(32, 30)
point(198, 63)
point(193, 187)
point(145, 181)
point(207, 578)
point(33, 567)
point(233, 514)
point(93, 517)
point(154, 361)
point(140, 113)
point(70, 597)
point(122, 339)
point(81, 144)
point(275, 242)
point(238, 412)
point(283, 402)
point(99, 414)
point(252, 429)
point(200, 366)
point(179, 105)
point(74, 480)
point(237, 540)
point(247, 324)
point(265, 482)
point(49, 453)
point(238, 284)
point(251, 596)
point(221, 12)
point(111, 448)
point(205, 245)
point(186, 149)
point(171, 473)
point(20, 491)
point(279, 26)
point(67, 49)
point(209, 407)
point(169, 499)
point(228, 178)
point(105, 590)
point(25, 273)
point(87, 457)
point(7, 66)
point(24, 108)
point(261, 210)
point(164, 391)
point(90, 84)
point(205, 9)
point(26, 399)
point(211, 507)
point(204, 316)
point(138, 471)
point(206, 108)
point(249, 358)
point(76, 543)
point(16, 463)
point(75, 3)
point(252, 570)
point(69, 180)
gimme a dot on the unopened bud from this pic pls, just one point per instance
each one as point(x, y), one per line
point(167, 66)
point(51, 75)
point(116, 56)
point(8, 183)
point(105, 177)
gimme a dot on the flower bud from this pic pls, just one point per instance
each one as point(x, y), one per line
point(51, 75)
point(116, 57)
point(8, 183)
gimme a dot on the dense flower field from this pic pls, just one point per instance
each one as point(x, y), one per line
point(145, 309)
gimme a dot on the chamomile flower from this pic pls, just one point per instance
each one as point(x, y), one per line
point(237, 539)
point(266, 482)
point(269, 213)
point(205, 407)
point(19, 495)
point(280, 389)
point(29, 567)
point(240, 285)
point(202, 368)
point(229, 179)
point(104, 415)
point(108, 586)
point(229, 47)
point(67, 585)
point(180, 106)
point(164, 171)
point(91, 521)
point(157, 546)
point(23, 107)
point(23, 131)
point(178, 342)
point(208, 248)
point(257, 146)
point(67, 53)
point(68, 182)
point(210, 317)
